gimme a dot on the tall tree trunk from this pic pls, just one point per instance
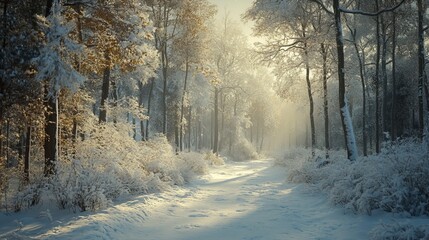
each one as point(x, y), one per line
point(115, 99)
point(2, 77)
point(370, 125)
point(5, 20)
point(78, 69)
point(262, 137)
point(384, 76)
point(27, 155)
point(311, 102)
point(182, 105)
point(361, 61)
point(8, 163)
point(307, 141)
point(189, 128)
point(421, 64)
point(393, 116)
point(325, 97)
point(309, 92)
point(1, 133)
point(344, 111)
point(216, 122)
point(165, 89)
point(74, 131)
point(51, 121)
point(211, 128)
point(134, 127)
point(149, 106)
point(257, 131)
point(251, 132)
point(176, 135)
point(198, 142)
point(141, 105)
point(102, 117)
point(377, 85)
point(51, 133)
point(222, 98)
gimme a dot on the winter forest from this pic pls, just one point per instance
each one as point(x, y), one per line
point(214, 119)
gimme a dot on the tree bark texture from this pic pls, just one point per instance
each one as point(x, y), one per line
point(325, 97)
point(51, 121)
point(421, 65)
point(377, 85)
point(345, 116)
point(393, 113)
point(216, 122)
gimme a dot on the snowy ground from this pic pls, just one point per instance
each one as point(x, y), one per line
point(248, 200)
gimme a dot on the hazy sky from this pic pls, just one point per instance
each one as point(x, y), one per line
point(235, 8)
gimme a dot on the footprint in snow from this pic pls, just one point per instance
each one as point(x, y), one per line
point(188, 226)
point(198, 215)
point(220, 199)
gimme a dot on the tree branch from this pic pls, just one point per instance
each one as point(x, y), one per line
point(360, 12)
point(322, 6)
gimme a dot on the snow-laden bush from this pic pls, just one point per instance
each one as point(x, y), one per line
point(106, 164)
point(243, 150)
point(213, 159)
point(399, 231)
point(109, 163)
point(159, 158)
point(394, 181)
point(193, 163)
point(28, 196)
point(15, 193)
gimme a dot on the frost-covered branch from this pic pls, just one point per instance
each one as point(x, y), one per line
point(322, 6)
point(360, 12)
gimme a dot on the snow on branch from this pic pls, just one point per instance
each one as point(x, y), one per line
point(322, 6)
point(360, 12)
point(345, 10)
point(54, 61)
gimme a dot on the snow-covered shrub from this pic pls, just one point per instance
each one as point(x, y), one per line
point(78, 184)
point(213, 159)
point(161, 160)
point(110, 163)
point(28, 196)
point(5, 176)
point(394, 181)
point(195, 162)
point(291, 156)
point(399, 231)
point(192, 164)
point(243, 150)
point(106, 164)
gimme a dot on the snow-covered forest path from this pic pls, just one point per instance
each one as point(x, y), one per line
point(245, 200)
point(248, 200)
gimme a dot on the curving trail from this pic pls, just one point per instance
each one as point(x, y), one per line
point(251, 200)
point(247, 200)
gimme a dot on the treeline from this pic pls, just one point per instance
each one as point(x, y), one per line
point(73, 70)
point(361, 64)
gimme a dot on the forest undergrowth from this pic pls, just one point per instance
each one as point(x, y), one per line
point(393, 181)
point(101, 167)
